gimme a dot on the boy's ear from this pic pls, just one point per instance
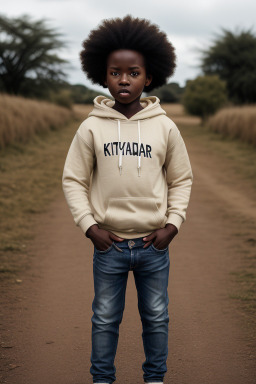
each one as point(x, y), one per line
point(148, 80)
point(104, 80)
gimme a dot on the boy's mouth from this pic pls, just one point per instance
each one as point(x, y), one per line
point(123, 91)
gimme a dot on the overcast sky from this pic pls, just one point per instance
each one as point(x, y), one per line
point(189, 26)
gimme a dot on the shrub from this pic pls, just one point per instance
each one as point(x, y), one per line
point(204, 95)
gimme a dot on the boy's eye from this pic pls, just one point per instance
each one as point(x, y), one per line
point(133, 74)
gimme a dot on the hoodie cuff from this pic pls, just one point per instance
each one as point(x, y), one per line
point(87, 222)
point(175, 219)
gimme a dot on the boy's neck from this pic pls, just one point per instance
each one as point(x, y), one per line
point(128, 110)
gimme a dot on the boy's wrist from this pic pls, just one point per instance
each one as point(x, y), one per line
point(87, 222)
point(171, 228)
point(91, 230)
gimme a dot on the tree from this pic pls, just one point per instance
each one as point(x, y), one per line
point(204, 95)
point(233, 57)
point(28, 57)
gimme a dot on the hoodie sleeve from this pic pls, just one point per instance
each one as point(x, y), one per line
point(179, 177)
point(77, 171)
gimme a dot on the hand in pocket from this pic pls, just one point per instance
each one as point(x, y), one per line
point(101, 238)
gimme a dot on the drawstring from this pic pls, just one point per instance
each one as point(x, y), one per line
point(139, 157)
point(120, 152)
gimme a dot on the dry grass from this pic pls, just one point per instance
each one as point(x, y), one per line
point(30, 178)
point(236, 122)
point(82, 110)
point(21, 118)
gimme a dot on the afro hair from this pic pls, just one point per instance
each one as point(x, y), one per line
point(128, 33)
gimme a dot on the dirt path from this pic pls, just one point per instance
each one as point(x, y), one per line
point(47, 331)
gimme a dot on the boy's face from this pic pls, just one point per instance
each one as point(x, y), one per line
point(126, 75)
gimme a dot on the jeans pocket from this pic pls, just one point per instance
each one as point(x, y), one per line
point(104, 251)
point(159, 250)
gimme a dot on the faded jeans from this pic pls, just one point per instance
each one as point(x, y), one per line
point(150, 268)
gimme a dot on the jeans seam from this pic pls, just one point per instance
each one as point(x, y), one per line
point(119, 249)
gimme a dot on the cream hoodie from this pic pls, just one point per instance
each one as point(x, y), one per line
point(129, 176)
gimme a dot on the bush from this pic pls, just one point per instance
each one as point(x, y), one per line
point(204, 95)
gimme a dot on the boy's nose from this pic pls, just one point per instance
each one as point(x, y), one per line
point(124, 79)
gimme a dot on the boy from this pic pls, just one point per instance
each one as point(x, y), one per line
point(136, 200)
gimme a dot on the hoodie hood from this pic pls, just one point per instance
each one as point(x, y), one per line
point(103, 108)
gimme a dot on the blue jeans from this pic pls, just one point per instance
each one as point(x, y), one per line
point(150, 268)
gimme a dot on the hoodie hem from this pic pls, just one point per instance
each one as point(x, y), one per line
point(130, 235)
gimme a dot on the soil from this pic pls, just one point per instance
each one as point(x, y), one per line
point(46, 314)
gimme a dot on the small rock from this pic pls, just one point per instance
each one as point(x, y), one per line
point(7, 346)
point(13, 366)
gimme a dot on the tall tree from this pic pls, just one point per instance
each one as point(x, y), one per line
point(233, 57)
point(28, 54)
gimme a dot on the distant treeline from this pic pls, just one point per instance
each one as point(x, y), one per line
point(80, 94)
point(169, 93)
point(69, 94)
